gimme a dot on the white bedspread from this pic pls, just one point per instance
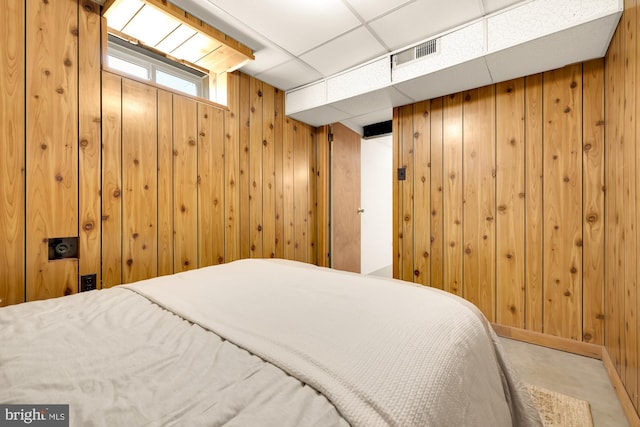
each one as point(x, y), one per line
point(383, 352)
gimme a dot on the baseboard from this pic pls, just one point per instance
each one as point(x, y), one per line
point(556, 343)
point(621, 392)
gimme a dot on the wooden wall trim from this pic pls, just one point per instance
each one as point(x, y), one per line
point(550, 341)
point(621, 392)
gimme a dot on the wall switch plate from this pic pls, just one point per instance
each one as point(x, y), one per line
point(87, 282)
point(402, 174)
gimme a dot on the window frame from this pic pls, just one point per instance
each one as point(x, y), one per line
point(135, 55)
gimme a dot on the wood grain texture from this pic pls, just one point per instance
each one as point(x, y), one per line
point(593, 202)
point(300, 192)
point(629, 362)
point(244, 94)
point(521, 155)
point(232, 168)
point(479, 199)
point(288, 190)
point(323, 195)
point(397, 194)
point(165, 183)
point(422, 192)
point(269, 193)
point(210, 185)
point(185, 175)
point(406, 187)
point(279, 189)
point(452, 193)
point(534, 245)
point(345, 199)
point(312, 231)
point(139, 182)
point(111, 180)
point(563, 202)
point(614, 109)
point(256, 118)
point(51, 144)
point(12, 153)
point(89, 64)
point(510, 204)
point(437, 183)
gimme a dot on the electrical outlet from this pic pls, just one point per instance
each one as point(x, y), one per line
point(87, 282)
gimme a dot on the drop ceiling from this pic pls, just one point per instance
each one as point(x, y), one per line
point(298, 42)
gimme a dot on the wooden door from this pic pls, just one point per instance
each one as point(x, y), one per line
point(345, 199)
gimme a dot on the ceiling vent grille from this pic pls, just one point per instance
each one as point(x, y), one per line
point(428, 48)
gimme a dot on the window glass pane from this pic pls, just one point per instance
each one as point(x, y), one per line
point(128, 67)
point(176, 83)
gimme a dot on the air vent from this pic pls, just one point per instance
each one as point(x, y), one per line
point(422, 50)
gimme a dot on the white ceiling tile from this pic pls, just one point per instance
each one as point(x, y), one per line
point(495, 5)
point(266, 58)
point(297, 26)
point(320, 116)
point(289, 75)
point(383, 115)
point(368, 9)
point(423, 19)
point(347, 51)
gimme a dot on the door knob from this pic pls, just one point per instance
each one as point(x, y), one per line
point(360, 210)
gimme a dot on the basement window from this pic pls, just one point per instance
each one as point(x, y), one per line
point(144, 64)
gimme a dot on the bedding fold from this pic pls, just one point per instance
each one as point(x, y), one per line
point(384, 352)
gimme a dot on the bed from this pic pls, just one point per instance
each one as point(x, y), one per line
point(261, 343)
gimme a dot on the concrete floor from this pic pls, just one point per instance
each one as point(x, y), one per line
point(578, 376)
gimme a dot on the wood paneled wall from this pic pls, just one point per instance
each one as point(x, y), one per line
point(49, 135)
point(150, 182)
point(622, 210)
point(189, 184)
point(503, 200)
point(12, 153)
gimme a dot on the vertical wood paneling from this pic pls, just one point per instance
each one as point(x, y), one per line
point(111, 180)
point(300, 192)
point(593, 201)
point(51, 144)
point(406, 187)
point(165, 183)
point(563, 202)
point(397, 194)
point(479, 199)
point(12, 152)
point(268, 172)
point(422, 192)
point(510, 202)
point(89, 133)
point(185, 173)
point(210, 185)
point(515, 172)
point(232, 168)
point(244, 104)
point(323, 196)
point(312, 232)
point(533, 201)
point(255, 168)
point(288, 184)
point(614, 111)
point(139, 181)
point(635, 136)
point(437, 218)
point(630, 368)
point(278, 142)
point(452, 167)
